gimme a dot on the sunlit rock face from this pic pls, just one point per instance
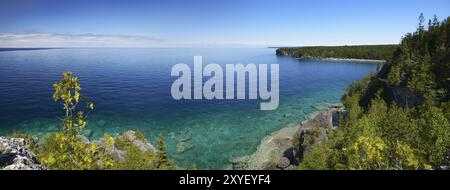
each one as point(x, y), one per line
point(15, 154)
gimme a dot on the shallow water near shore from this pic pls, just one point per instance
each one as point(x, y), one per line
point(131, 91)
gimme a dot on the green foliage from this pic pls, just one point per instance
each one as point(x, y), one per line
point(140, 135)
point(310, 140)
point(67, 91)
point(367, 153)
point(63, 152)
point(137, 159)
point(21, 135)
point(316, 159)
point(67, 150)
point(362, 92)
point(394, 76)
point(163, 161)
point(352, 105)
point(386, 136)
point(374, 153)
point(435, 130)
point(402, 156)
point(109, 141)
point(383, 137)
point(422, 61)
point(376, 52)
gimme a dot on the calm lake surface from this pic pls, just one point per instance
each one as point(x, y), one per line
point(131, 91)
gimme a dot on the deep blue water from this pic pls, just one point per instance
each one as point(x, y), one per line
point(131, 91)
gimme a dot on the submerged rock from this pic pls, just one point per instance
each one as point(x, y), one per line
point(101, 123)
point(183, 147)
point(52, 128)
point(15, 154)
point(36, 123)
point(283, 149)
point(270, 154)
point(88, 133)
point(184, 136)
point(287, 115)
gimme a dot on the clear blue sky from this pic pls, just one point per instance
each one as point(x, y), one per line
point(171, 23)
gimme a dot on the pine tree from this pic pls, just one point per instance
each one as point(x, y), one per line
point(421, 21)
point(435, 22)
point(162, 161)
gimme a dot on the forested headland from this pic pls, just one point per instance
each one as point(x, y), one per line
point(398, 118)
point(372, 52)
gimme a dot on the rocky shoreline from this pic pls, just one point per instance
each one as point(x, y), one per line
point(280, 150)
point(17, 154)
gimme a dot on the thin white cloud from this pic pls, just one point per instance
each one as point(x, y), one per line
point(47, 39)
point(36, 39)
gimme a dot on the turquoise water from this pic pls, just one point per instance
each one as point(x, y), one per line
point(131, 91)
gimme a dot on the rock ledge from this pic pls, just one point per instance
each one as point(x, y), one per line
point(15, 154)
